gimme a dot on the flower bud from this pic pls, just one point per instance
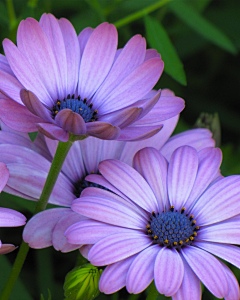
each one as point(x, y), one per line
point(211, 122)
point(82, 283)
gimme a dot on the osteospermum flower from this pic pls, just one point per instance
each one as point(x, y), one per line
point(29, 163)
point(57, 82)
point(166, 224)
point(8, 217)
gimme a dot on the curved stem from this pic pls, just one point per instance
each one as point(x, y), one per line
point(140, 13)
point(58, 160)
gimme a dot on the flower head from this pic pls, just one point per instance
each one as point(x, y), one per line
point(164, 224)
point(57, 82)
point(29, 162)
point(8, 217)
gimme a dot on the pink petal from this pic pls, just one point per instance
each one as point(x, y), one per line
point(113, 277)
point(155, 141)
point(131, 56)
point(190, 285)
point(168, 271)
point(232, 283)
point(17, 116)
point(33, 42)
point(11, 218)
point(133, 87)
point(153, 167)
point(208, 269)
point(102, 130)
point(129, 182)
point(38, 230)
point(25, 72)
point(182, 172)
point(137, 133)
point(4, 175)
point(140, 273)
point(83, 38)
point(97, 59)
point(10, 86)
point(196, 138)
point(118, 247)
point(222, 198)
point(35, 106)
point(71, 121)
point(7, 248)
point(53, 132)
point(209, 164)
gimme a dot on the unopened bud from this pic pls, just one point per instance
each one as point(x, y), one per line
point(211, 122)
point(82, 283)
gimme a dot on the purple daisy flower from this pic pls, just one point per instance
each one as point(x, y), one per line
point(29, 163)
point(57, 82)
point(171, 221)
point(8, 217)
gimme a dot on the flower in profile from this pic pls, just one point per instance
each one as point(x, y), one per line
point(8, 217)
point(166, 224)
point(29, 162)
point(57, 82)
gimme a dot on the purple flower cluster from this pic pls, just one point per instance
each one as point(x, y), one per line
point(145, 205)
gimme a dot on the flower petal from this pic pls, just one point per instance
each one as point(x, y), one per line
point(83, 37)
point(190, 286)
point(91, 231)
point(102, 130)
point(108, 210)
point(59, 240)
point(155, 141)
point(222, 198)
point(72, 53)
point(137, 133)
point(113, 277)
point(197, 138)
point(33, 42)
point(38, 231)
point(182, 172)
point(71, 121)
point(122, 118)
point(153, 167)
point(97, 59)
point(35, 106)
point(208, 269)
point(53, 132)
point(4, 175)
point(7, 248)
point(26, 73)
point(229, 253)
point(140, 273)
point(133, 87)
point(168, 271)
point(10, 86)
point(11, 218)
point(118, 247)
point(209, 164)
point(129, 182)
point(131, 56)
point(232, 283)
point(17, 116)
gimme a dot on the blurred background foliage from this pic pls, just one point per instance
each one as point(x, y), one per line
point(199, 41)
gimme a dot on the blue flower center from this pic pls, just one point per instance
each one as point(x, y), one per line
point(82, 184)
point(172, 229)
point(76, 105)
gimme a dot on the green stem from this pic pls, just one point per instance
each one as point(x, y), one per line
point(141, 13)
point(58, 160)
point(11, 12)
point(153, 293)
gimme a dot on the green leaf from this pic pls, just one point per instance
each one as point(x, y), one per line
point(19, 291)
point(198, 23)
point(159, 40)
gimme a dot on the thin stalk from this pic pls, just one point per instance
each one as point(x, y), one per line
point(141, 13)
point(58, 160)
